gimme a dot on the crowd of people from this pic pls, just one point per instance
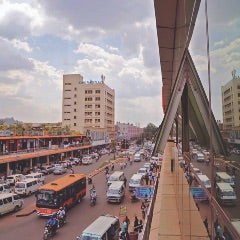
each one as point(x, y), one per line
point(124, 231)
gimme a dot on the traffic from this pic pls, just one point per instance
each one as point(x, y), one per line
point(83, 195)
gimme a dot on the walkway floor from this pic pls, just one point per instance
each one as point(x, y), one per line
point(175, 216)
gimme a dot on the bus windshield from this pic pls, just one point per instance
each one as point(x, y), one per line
point(47, 198)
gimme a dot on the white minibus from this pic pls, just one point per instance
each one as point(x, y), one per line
point(104, 227)
point(116, 176)
point(205, 180)
point(224, 177)
point(5, 187)
point(38, 176)
point(10, 202)
point(135, 181)
point(27, 186)
point(116, 192)
point(11, 179)
point(225, 194)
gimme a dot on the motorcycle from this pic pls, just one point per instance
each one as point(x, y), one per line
point(89, 180)
point(93, 201)
point(49, 232)
point(61, 220)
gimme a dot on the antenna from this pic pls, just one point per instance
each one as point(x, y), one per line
point(103, 78)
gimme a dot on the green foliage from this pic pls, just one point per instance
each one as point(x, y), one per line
point(150, 131)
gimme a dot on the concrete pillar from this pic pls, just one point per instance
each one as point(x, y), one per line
point(48, 157)
point(31, 163)
point(8, 169)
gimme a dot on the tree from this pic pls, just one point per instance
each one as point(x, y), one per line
point(150, 131)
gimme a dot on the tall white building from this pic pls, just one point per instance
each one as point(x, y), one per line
point(88, 107)
point(231, 109)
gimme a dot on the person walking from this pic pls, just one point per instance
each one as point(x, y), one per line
point(125, 182)
point(136, 223)
point(143, 208)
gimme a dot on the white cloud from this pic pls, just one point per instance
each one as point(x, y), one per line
point(21, 45)
point(41, 40)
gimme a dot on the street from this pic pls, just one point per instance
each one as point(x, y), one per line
point(80, 216)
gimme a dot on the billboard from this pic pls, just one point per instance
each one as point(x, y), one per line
point(198, 193)
point(144, 192)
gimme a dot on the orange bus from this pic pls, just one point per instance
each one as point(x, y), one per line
point(63, 192)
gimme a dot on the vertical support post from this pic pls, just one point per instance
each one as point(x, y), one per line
point(185, 120)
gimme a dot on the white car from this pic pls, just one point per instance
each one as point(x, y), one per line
point(87, 160)
point(142, 171)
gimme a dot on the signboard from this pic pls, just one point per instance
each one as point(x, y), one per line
point(198, 193)
point(144, 192)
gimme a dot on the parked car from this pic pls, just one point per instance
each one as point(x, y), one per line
point(76, 161)
point(87, 160)
point(59, 170)
point(47, 169)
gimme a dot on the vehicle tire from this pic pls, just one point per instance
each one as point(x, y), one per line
point(17, 208)
point(79, 199)
point(46, 236)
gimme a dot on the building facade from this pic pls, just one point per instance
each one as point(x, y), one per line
point(128, 131)
point(231, 110)
point(88, 107)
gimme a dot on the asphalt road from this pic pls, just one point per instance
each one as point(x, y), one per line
point(79, 217)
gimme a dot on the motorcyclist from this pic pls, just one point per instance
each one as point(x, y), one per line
point(53, 223)
point(61, 215)
point(61, 212)
point(93, 195)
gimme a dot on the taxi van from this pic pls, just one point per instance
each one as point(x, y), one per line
point(27, 186)
point(225, 194)
point(12, 179)
point(104, 227)
point(205, 180)
point(116, 192)
point(224, 177)
point(116, 176)
point(39, 176)
point(135, 181)
point(10, 202)
point(5, 187)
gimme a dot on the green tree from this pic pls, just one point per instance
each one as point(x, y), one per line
point(150, 131)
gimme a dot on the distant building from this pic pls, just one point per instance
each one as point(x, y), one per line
point(231, 110)
point(88, 107)
point(128, 131)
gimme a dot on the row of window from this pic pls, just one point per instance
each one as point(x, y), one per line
point(86, 120)
point(87, 99)
point(91, 91)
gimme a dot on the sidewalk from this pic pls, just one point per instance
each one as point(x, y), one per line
point(175, 215)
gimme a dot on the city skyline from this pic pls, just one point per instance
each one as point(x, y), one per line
point(41, 41)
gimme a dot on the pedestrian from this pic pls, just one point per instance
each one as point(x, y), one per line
point(140, 226)
point(125, 182)
point(107, 177)
point(125, 227)
point(112, 168)
point(71, 171)
point(146, 178)
point(136, 223)
point(143, 208)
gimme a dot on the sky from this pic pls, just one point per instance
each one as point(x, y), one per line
point(40, 40)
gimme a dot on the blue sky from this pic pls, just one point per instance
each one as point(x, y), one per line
point(42, 40)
